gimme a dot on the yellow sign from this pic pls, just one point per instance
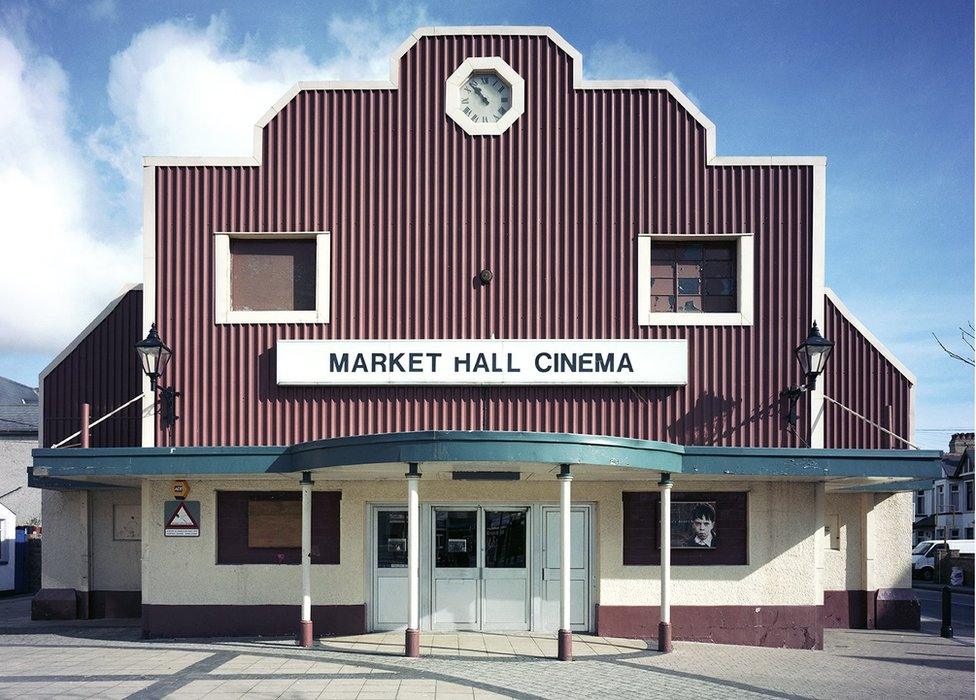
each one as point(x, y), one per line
point(181, 488)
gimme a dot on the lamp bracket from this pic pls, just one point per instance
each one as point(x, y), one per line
point(167, 400)
point(793, 395)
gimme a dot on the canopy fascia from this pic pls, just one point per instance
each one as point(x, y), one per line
point(483, 446)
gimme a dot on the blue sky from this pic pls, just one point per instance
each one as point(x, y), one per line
point(884, 90)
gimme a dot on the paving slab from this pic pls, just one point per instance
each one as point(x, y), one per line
point(115, 662)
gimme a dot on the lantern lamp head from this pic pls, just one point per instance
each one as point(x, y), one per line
point(812, 354)
point(154, 355)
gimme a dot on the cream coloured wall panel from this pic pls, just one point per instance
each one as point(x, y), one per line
point(64, 561)
point(842, 568)
point(781, 569)
point(115, 563)
point(893, 540)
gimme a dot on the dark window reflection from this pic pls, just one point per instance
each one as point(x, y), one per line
point(391, 539)
point(505, 539)
point(456, 539)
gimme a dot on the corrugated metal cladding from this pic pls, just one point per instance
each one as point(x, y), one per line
point(103, 371)
point(860, 377)
point(416, 208)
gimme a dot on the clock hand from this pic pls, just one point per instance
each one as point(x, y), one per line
point(480, 94)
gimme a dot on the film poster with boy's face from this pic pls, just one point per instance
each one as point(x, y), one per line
point(694, 525)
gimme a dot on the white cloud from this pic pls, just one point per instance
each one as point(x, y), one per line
point(182, 90)
point(617, 60)
point(58, 269)
point(177, 89)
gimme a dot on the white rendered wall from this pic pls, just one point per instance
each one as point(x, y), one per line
point(781, 571)
point(890, 543)
point(842, 568)
point(64, 553)
point(781, 568)
point(893, 540)
point(116, 564)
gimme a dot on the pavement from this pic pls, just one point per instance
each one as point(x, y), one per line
point(932, 586)
point(962, 610)
point(110, 659)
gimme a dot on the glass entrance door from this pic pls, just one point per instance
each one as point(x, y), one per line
point(479, 568)
point(390, 569)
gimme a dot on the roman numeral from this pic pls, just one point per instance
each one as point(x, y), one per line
point(505, 100)
point(467, 110)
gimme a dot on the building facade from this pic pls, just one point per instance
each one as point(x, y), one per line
point(485, 346)
point(944, 509)
point(18, 437)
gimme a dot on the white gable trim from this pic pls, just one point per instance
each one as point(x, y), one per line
point(579, 83)
point(871, 337)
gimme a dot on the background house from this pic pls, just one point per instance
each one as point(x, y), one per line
point(18, 436)
point(945, 509)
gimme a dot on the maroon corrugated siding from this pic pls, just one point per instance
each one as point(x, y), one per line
point(102, 370)
point(416, 208)
point(862, 379)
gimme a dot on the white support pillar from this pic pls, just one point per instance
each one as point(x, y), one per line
point(305, 634)
point(664, 628)
point(565, 565)
point(412, 637)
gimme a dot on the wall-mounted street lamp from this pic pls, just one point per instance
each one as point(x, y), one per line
point(812, 354)
point(155, 355)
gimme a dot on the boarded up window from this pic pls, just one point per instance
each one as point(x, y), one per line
point(274, 523)
point(272, 275)
point(264, 527)
point(641, 530)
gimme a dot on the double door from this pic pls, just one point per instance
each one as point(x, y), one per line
point(479, 568)
point(483, 567)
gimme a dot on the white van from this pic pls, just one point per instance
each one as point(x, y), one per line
point(923, 556)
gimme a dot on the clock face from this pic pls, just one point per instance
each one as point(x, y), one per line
point(485, 97)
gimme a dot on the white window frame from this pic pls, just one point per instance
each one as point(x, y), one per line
point(225, 314)
point(745, 282)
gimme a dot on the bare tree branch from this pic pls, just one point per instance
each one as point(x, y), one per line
point(968, 360)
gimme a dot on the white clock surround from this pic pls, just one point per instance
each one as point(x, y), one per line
point(454, 95)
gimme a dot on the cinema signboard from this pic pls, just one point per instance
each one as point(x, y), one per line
point(482, 362)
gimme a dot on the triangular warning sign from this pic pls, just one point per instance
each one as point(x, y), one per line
point(181, 518)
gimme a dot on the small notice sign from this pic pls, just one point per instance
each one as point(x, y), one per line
point(181, 519)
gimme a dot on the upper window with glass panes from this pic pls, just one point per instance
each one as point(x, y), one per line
point(693, 277)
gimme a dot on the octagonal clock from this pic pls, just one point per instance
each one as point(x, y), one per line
point(485, 96)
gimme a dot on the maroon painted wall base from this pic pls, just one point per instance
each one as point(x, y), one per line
point(71, 604)
point(789, 626)
point(565, 646)
point(411, 644)
point(897, 609)
point(247, 620)
point(664, 637)
point(115, 604)
point(845, 609)
point(55, 604)
point(884, 609)
point(305, 634)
